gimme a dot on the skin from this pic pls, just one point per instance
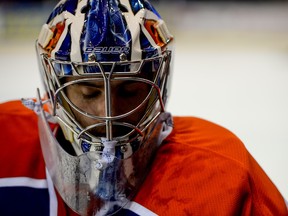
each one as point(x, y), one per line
point(90, 97)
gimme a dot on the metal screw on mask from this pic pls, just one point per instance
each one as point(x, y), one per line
point(92, 57)
point(124, 148)
point(123, 57)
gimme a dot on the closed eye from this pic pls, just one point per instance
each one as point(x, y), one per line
point(91, 95)
point(90, 92)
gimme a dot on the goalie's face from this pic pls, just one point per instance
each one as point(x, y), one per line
point(116, 99)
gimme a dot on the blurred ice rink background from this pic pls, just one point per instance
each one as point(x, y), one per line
point(230, 67)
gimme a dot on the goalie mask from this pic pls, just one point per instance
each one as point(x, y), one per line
point(105, 67)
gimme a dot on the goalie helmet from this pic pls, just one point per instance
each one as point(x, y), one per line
point(105, 66)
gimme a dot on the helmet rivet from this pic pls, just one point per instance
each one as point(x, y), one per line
point(124, 148)
point(123, 57)
point(92, 57)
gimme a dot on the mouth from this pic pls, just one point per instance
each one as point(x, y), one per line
point(117, 133)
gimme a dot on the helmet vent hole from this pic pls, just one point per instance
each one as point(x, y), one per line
point(85, 9)
point(122, 8)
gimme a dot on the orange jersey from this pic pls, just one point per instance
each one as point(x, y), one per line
point(203, 169)
point(200, 169)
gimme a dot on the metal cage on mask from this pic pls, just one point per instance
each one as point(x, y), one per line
point(101, 181)
point(152, 72)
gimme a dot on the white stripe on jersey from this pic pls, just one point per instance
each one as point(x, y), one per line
point(24, 182)
point(52, 196)
point(139, 209)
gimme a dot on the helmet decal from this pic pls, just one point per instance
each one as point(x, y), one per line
point(62, 6)
point(105, 28)
point(57, 31)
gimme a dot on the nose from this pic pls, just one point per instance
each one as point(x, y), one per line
point(111, 105)
point(118, 105)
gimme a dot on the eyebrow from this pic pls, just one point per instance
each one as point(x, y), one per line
point(90, 84)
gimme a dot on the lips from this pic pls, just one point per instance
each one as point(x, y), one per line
point(117, 131)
